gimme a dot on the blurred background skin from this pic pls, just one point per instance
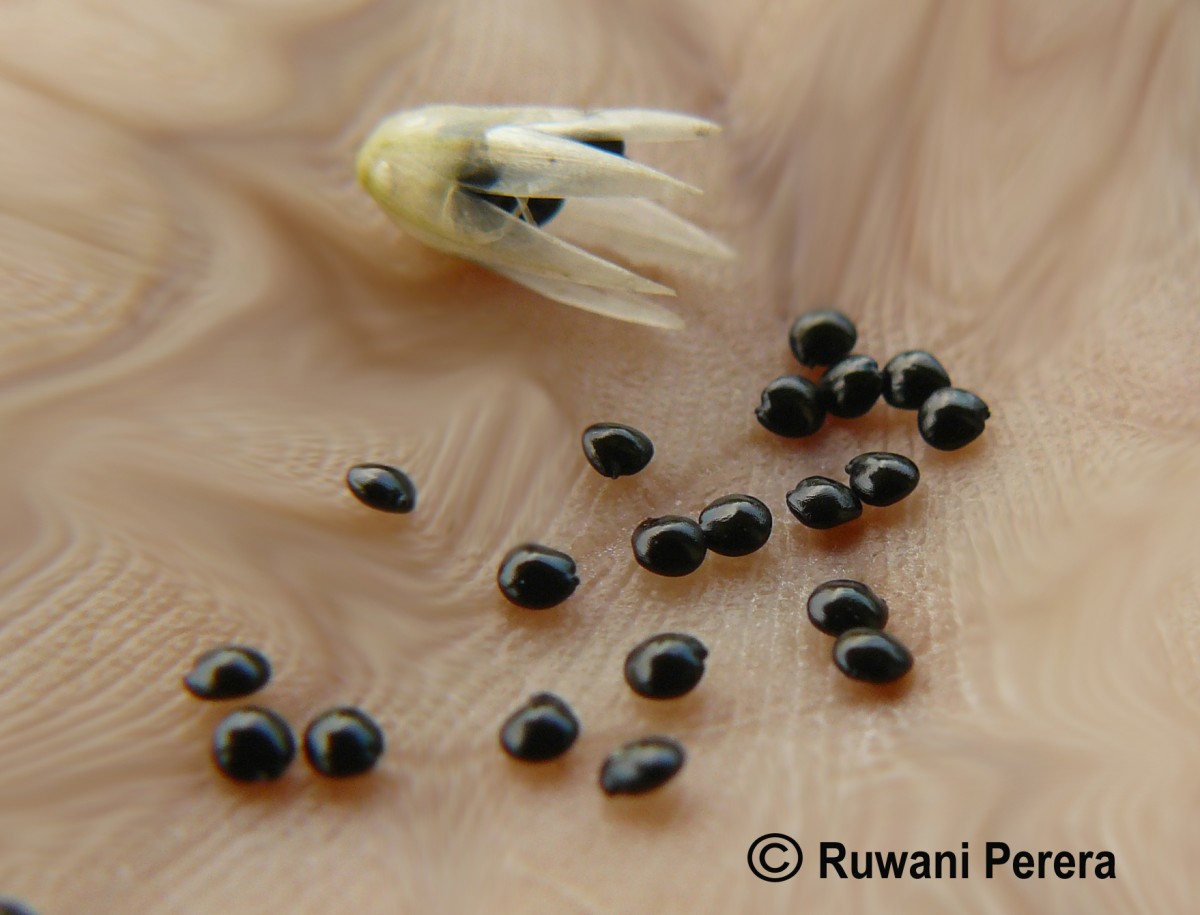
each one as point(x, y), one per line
point(204, 322)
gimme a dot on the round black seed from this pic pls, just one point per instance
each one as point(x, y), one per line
point(822, 337)
point(871, 655)
point(842, 604)
point(735, 525)
point(821, 503)
point(671, 545)
point(253, 745)
point(791, 407)
point(10, 906)
point(850, 386)
point(910, 377)
point(381, 487)
point(666, 666)
point(343, 742)
point(229, 672)
point(951, 418)
point(536, 577)
point(882, 477)
point(615, 450)
point(543, 728)
point(641, 766)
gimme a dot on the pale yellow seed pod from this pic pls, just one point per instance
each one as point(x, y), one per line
point(460, 179)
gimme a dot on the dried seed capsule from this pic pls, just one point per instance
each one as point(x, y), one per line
point(951, 418)
point(882, 478)
point(228, 672)
point(822, 503)
point(791, 407)
point(671, 545)
point(822, 337)
point(343, 742)
point(666, 666)
point(641, 765)
point(850, 387)
point(541, 729)
point(253, 744)
point(384, 488)
point(910, 377)
point(841, 604)
point(871, 655)
point(615, 450)
point(735, 525)
point(536, 577)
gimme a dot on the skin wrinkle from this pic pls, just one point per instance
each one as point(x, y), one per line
point(1011, 185)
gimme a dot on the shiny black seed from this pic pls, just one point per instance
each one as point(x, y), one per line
point(671, 545)
point(253, 745)
point(882, 477)
point(791, 407)
point(641, 765)
point(821, 503)
point(385, 488)
point(871, 655)
point(229, 672)
point(850, 386)
point(541, 729)
point(12, 907)
point(735, 525)
point(665, 666)
point(842, 604)
point(822, 337)
point(342, 742)
point(910, 377)
point(615, 450)
point(951, 418)
point(537, 577)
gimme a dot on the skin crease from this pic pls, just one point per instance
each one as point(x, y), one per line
point(203, 322)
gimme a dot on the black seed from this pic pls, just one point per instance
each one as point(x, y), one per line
point(343, 742)
point(882, 478)
point(641, 765)
point(850, 387)
point(871, 655)
point(543, 209)
point(822, 503)
point(616, 147)
point(822, 337)
point(671, 545)
point(951, 418)
point(229, 672)
point(537, 577)
point(616, 450)
point(253, 745)
point(665, 666)
point(543, 728)
point(791, 407)
point(735, 525)
point(12, 907)
point(910, 377)
point(385, 488)
point(842, 604)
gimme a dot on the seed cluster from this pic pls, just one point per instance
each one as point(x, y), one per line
point(795, 407)
point(256, 744)
point(668, 665)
